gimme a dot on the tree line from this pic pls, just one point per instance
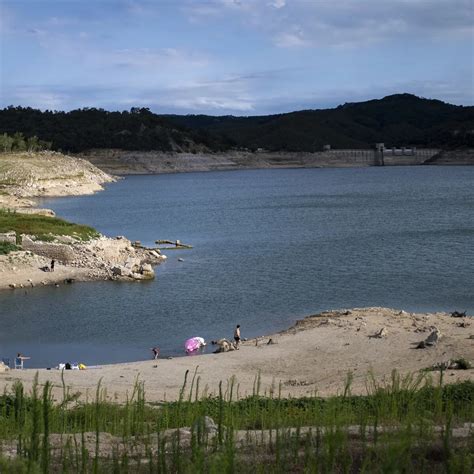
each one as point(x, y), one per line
point(17, 142)
point(397, 120)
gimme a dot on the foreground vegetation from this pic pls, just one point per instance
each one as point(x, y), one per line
point(43, 227)
point(405, 425)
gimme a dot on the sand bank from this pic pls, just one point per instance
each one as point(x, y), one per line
point(314, 356)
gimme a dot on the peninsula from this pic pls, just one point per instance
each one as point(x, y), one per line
point(31, 238)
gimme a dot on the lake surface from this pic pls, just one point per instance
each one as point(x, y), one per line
point(270, 246)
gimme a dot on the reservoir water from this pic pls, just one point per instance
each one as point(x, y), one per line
point(270, 246)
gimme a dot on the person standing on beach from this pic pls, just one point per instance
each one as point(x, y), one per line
point(237, 336)
point(156, 352)
point(52, 264)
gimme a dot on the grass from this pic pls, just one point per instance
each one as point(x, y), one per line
point(402, 426)
point(7, 247)
point(43, 227)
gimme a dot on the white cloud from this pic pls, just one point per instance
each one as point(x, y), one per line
point(145, 58)
point(290, 40)
point(213, 104)
point(278, 4)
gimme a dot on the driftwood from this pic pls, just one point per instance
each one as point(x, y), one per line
point(176, 244)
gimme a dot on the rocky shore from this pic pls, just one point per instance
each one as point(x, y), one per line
point(99, 259)
point(25, 176)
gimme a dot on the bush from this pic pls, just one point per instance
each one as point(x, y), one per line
point(7, 247)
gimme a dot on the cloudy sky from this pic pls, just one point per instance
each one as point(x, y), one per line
point(241, 57)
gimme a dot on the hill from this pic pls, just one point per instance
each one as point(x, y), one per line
point(396, 120)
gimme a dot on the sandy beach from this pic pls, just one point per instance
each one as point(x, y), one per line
point(312, 357)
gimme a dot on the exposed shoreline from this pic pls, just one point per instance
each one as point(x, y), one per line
point(313, 356)
point(26, 176)
point(123, 162)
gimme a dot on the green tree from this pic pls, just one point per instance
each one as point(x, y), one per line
point(19, 143)
point(6, 143)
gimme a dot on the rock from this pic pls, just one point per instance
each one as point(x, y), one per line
point(12, 286)
point(224, 346)
point(382, 333)
point(4, 367)
point(142, 276)
point(132, 263)
point(155, 253)
point(117, 271)
point(431, 340)
point(180, 259)
point(205, 425)
point(458, 314)
point(146, 268)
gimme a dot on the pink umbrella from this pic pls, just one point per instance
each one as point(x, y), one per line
point(193, 344)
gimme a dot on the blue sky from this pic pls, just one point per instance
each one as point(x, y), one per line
point(240, 57)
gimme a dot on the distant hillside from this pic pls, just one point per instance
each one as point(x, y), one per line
point(396, 120)
point(89, 128)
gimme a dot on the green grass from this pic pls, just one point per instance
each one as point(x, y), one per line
point(402, 426)
point(43, 226)
point(7, 247)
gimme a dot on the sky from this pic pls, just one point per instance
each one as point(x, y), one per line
point(239, 57)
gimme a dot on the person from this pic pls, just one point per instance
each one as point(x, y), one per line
point(52, 264)
point(19, 360)
point(156, 352)
point(237, 336)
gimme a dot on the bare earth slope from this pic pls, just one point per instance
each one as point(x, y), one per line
point(314, 356)
point(48, 174)
point(123, 162)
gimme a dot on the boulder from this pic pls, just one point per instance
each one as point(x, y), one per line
point(146, 268)
point(224, 346)
point(431, 340)
point(382, 333)
point(118, 271)
point(205, 424)
point(132, 263)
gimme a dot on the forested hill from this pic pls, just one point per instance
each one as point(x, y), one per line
point(396, 120)
point(90, 128)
